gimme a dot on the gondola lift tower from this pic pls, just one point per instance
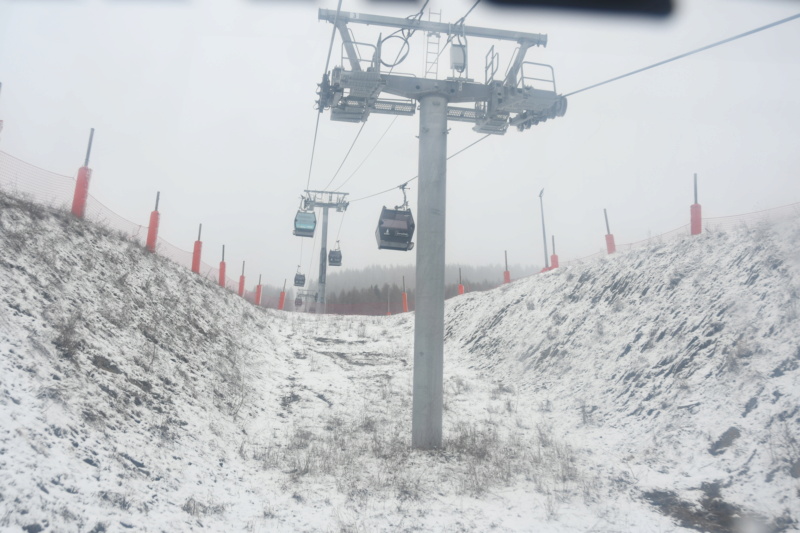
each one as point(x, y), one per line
point(305, 227)
point(354, 91)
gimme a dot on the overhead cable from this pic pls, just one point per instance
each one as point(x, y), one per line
point(397, 61)
point(327, 64)
point(417, 16)
point(367, 156)
point(707, 47)
point(415, 177)
point(459, 22)
point(681, 56)
point(340, 226)
point(325, 188)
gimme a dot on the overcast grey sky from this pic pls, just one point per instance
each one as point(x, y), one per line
point(212, 103)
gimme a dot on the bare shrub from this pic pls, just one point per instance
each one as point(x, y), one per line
point(784, 448)
point(459, 386)
point(231, 390)
point(544, 433)
point(386, 387)
point(68, 341)
point(53, 393)
point(300, 439)
point(407, 486)
point(196, 508)
point(472, 440)
point(368, 424)
point(15, 241)
point(116, 499)
point(114, 314)
point(550, 506)
point(511, 406)
point(501, 388)
point(475, 480)
point(166, 429)
point(587, 413)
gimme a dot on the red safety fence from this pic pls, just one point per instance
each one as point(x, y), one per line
point(677, 233)
point(725, 223)
point(57, 190)
point(749, 219)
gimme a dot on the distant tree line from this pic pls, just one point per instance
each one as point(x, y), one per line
point(367, 292)
point(380, 300)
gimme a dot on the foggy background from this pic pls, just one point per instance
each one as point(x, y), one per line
point(212, 103)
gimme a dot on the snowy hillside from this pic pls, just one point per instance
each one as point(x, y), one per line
point(656, 390)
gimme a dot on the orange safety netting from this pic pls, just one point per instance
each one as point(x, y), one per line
point(57, 190)
point(709, 224)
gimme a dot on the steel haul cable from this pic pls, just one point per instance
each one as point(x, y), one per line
point(397, 61)
point(681, 56)
point(368, 154)
point(415, 177)
point(637, 71)
point(327, 64)
point(345, 157)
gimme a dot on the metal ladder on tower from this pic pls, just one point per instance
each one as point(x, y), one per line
point(432, 50)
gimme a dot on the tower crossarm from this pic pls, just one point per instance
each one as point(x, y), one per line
point(497, 105)
point(330, 199)
point(522, 99)
point(532, 39)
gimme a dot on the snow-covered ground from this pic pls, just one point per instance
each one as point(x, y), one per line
point(651, 391)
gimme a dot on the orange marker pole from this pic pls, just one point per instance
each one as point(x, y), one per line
point(282, 297)
point(696, 213)
point(152, 229)
point(611, 247)
point(198, 251)
point(222, 268)
point(258, 291)
point(82, 184)
point(241, 281)
point(554, 257)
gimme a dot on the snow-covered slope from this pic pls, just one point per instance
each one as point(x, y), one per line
point(679, 362)
point(651, 391)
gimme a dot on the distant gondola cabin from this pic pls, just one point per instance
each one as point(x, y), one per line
point(395, 229)
point(304, 223)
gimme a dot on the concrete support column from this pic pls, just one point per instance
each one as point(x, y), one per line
point(426, 423)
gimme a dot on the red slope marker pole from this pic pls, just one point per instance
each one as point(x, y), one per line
point(82, 184)
point(222, 268)
point(611, 246)
point(258, 291)
point(554, 257)
point(696, 213)
point(198, 252)
point(282, 297)
point(241, 281)
point(152, 229)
